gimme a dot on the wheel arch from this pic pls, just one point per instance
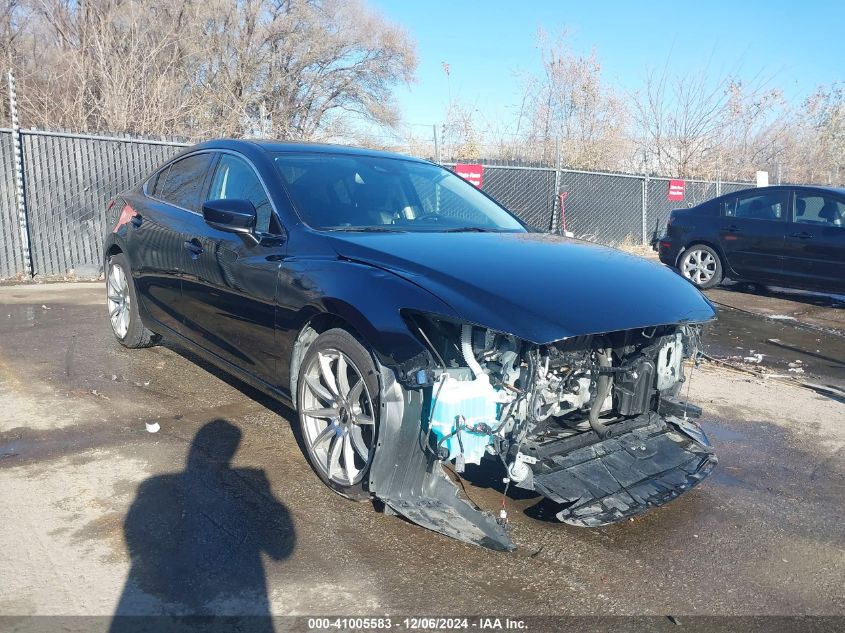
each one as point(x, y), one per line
point(112, 246)
point(703, 242)
point(389, 342)
point(308, 333)
point(376, 322)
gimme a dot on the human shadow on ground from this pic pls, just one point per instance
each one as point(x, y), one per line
point(196, 539)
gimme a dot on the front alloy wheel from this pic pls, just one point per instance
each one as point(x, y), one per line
point(701, 265)
point(337, 395)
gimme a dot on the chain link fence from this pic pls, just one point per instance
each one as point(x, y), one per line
point(601, 207)
point(69, 181)
point(70, 178)
point(11, 251)
point(527, 192)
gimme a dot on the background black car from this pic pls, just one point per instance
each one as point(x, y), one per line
point(786, 235)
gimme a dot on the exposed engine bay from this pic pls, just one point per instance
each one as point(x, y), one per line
point(593, 423)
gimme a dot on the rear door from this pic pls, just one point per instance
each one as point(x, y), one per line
point(161, 218)
point(753, 232)
point(229, 280)
point(814, 254)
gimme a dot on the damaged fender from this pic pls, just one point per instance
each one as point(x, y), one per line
point(412, 483)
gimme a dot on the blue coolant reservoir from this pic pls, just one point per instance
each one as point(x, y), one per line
point(477, 402)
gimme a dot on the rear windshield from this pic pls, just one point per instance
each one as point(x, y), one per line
point(343, 192)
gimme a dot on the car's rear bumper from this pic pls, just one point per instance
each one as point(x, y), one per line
point(667, 250)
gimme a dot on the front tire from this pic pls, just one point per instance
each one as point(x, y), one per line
point(337, 398)
point(701, 265)
point(122, 304)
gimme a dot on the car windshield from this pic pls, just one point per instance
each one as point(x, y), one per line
point(366, 193)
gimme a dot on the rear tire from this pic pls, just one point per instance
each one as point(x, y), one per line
point(338, 406)
point(122, 305)
point(701, 265)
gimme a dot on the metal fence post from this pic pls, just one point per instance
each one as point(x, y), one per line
point(645, 209)
point(553, 225)
point(17, 151)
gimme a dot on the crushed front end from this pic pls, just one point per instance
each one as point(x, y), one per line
point(593, 423)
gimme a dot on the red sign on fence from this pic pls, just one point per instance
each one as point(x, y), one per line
point(676, 190)
point(471, 173)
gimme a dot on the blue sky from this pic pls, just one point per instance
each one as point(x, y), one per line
point(795, 45)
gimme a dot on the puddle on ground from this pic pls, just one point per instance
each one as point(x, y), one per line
point(721, 433)
point(813, 355)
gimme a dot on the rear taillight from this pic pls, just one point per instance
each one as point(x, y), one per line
point(126, 214)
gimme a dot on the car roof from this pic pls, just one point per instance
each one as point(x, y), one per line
point(751, 187)
point(301, 147)
point(838, 190)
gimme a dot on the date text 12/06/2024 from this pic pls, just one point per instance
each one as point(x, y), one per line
point(416, 623)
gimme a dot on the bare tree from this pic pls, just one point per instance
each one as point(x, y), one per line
point(823, 118)
point(571, 105)
point(680, 121)
point(327, 70)
point(198, 68)
point(699, 125)
point(462, 133)
point(754, 128)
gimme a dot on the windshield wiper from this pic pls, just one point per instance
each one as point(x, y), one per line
point(365, 229)
point(470, 229)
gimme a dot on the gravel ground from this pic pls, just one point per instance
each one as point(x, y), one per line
point(96, 511)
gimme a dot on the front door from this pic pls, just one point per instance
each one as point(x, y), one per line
point(229, 280)
point(814, 255)
point(752, 233)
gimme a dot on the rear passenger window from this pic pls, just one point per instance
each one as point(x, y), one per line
point(761, 206)
point(155, 184)
point(236, 179)
point(184, 181)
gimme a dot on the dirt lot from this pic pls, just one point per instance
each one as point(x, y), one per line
point(765, 534)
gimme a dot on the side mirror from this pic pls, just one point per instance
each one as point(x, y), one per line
point(234, 216)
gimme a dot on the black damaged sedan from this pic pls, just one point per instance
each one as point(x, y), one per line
point(411, 321)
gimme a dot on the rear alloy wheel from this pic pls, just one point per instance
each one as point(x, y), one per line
point(122, 305)
point(701, 265)
point(338, 411)
point(118, 300)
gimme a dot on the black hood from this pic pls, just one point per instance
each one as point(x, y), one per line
point(538, 287)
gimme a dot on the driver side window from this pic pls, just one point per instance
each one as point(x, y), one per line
point(235, 178)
